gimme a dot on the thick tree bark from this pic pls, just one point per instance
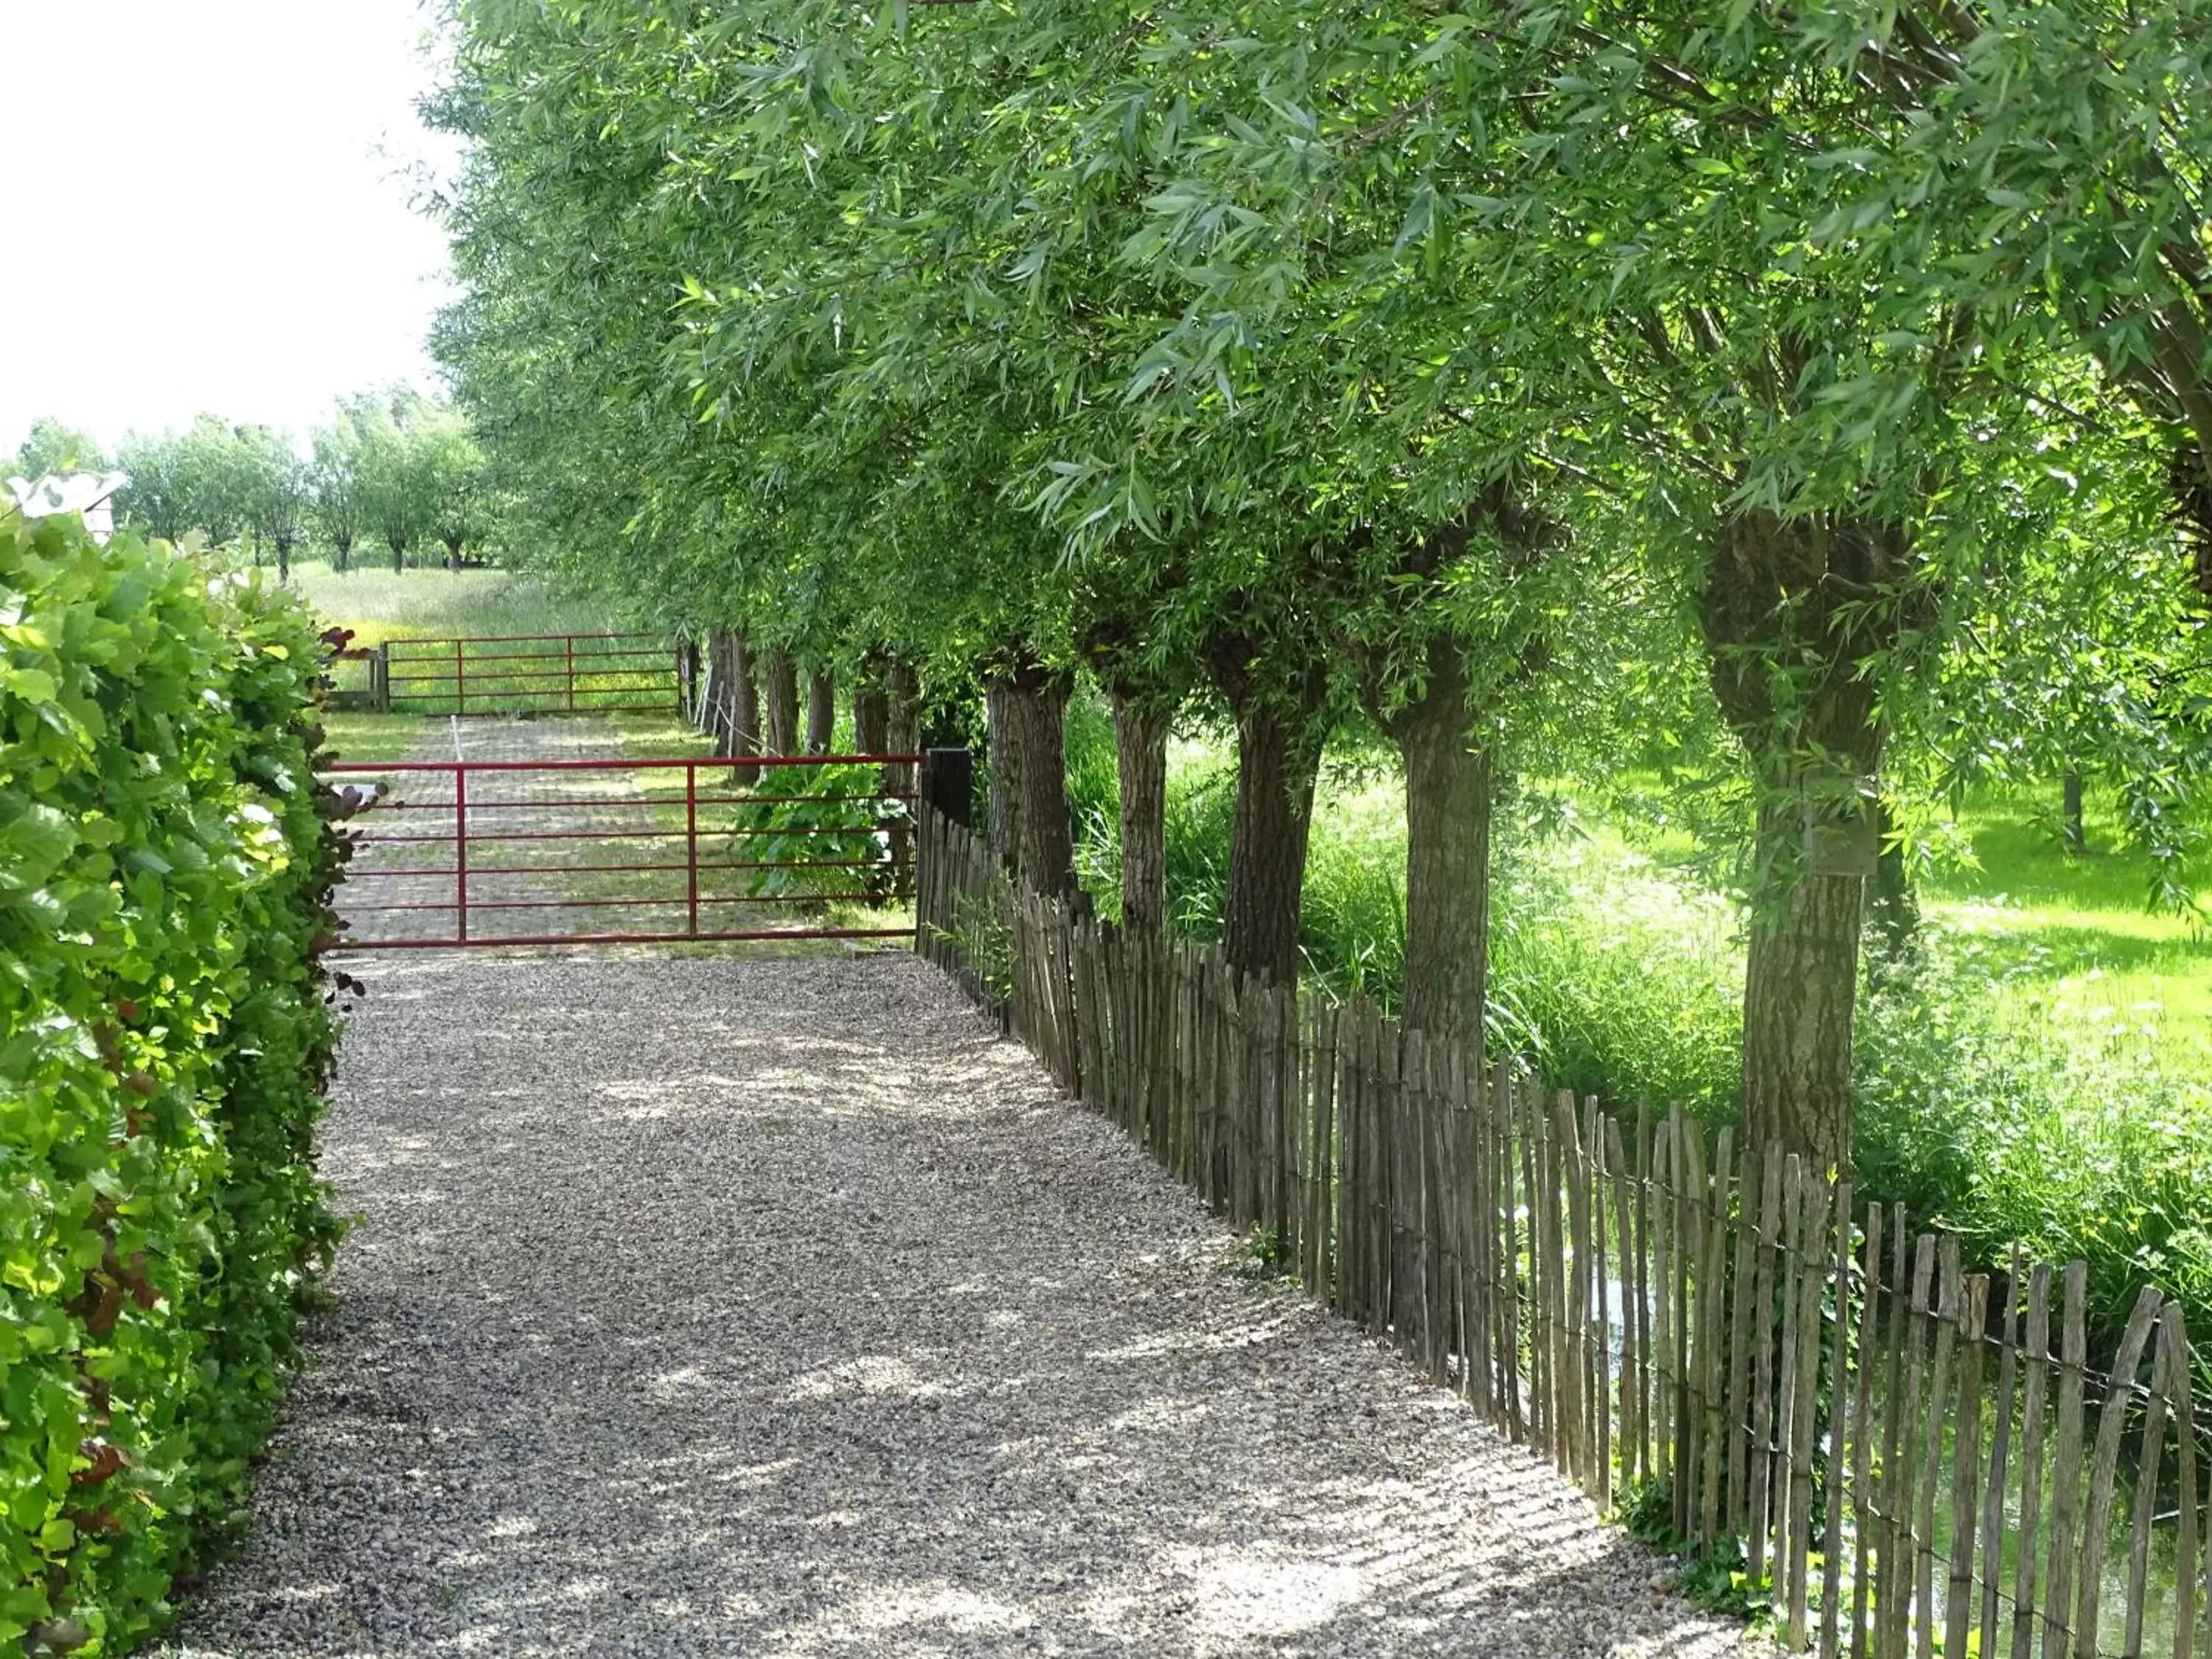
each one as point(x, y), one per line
point(1891, 905)
point(715, 714)
point(902, 736)
point(872, 713)
point(399, 557)
point(1801, 994)
point(745, 709)
point(783, 679)
point(1277, 765)
point(1035, 706)
point(1793, 611)
point(821, 711)
point(1140, 759)
point(1004, 804)
point(1448, 802)
point(732, 711)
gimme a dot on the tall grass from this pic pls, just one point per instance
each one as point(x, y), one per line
point(1613, 977)
point(378, 605)
point(2063, 1125)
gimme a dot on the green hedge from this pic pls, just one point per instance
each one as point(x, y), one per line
point(167, 859)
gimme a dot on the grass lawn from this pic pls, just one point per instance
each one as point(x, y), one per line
point(2069, 934)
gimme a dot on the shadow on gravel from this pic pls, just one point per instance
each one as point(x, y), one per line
point(729, 1308)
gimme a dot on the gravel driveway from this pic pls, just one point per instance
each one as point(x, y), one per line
point(774, 1307)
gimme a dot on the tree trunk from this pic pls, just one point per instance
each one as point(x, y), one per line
point(1277, 765)
point(783, 679)
point(1892, 905)
point(1140, 758)
point(1003, 805)
point(398, 556)
point(1801, 994)
point(2077, 837)
point(745, 709)
point(1035, 710)
point(717, 712)
point(821, 711)
point(342, 554)
point(1793, 611)
point(283, 560)
point(871, 714)
point(1448, 801)
point(902, 736)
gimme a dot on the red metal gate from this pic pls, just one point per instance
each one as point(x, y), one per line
point(532, 673)
point(494, 851)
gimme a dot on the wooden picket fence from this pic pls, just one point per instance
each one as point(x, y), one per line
point(1871, 1426)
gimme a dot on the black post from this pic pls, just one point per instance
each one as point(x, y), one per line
point(948, 783)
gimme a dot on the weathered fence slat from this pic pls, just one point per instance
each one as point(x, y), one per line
point(1993, 1498)
point(2186, 1534)
point(1864, 1511)
point(2103, 1472)
point(1832, 1535)
point(1966, 1465)
point(2033, 1386)
point(1762, 1390)
point(2066, 1473)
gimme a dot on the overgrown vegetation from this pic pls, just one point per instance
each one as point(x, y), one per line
point(806, 825)
point(167, 861)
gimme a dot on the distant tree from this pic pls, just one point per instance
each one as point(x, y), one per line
point(219, 474)
point(453, 470)
point(398, 485)
point(53, 448)
point(340, 505)
point(276, 494)
point(159, 497)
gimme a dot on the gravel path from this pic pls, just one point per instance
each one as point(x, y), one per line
point(738, 1307)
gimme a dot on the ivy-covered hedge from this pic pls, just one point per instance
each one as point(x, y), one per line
point(167, 861)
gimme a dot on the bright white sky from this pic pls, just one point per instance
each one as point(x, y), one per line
point(220, 190)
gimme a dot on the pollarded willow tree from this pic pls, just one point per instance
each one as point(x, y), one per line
point(1624, 206)
point(1317, 357)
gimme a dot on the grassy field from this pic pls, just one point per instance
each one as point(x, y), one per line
point(379, 606)
point(2069, 934)
point(382, 608)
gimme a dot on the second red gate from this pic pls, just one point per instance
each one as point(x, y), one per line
point(590, 852)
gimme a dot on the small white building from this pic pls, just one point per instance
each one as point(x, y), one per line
point(92, 494)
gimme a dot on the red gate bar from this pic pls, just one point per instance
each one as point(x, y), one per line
point(471, 806)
